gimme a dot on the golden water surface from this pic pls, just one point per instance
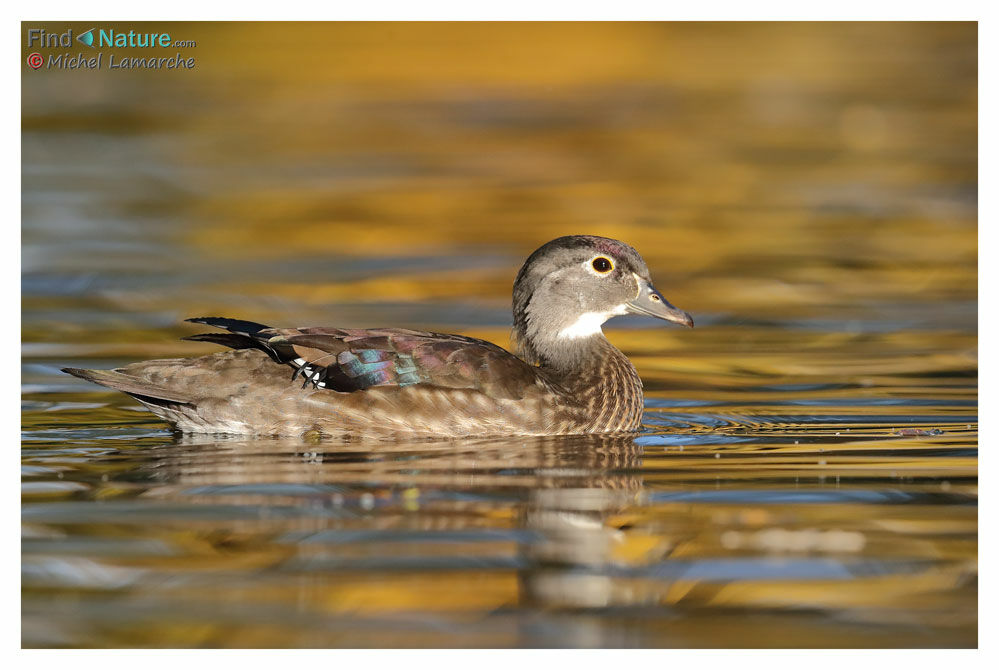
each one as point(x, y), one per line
point(807, 473)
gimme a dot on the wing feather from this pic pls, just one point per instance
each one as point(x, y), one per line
point(350, 360)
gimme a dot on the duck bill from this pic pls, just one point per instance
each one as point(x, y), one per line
point(651, 302)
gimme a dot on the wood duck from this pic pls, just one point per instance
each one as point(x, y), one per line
point(338, 382)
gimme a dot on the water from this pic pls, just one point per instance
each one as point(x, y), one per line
point(807, 473)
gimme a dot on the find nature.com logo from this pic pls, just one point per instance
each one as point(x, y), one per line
point(109, 38)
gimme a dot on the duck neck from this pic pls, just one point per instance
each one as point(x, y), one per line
point(596, 379)
point(573, 353)
point(564, 357)
point(579, 362)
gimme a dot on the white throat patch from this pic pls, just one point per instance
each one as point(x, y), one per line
point(589, 323)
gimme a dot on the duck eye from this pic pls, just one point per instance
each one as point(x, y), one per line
point(602, 265)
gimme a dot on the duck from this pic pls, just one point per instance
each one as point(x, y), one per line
point(563, 377)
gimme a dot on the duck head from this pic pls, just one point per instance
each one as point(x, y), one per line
point(568, 288)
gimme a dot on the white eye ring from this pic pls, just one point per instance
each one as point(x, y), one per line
point(601, 265)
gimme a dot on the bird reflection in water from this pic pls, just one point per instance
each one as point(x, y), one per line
point(553, 497)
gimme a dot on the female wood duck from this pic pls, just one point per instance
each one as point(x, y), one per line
point(568, 379)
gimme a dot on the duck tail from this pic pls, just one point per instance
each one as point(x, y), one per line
point(241, 335)
point(133, 386)
point(234, 326)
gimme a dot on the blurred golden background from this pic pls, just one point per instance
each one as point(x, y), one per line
point(763, 169)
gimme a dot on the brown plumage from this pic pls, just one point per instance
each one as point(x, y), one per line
point(387, 382)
